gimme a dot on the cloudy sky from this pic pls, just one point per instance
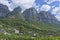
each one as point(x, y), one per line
point(41, 5)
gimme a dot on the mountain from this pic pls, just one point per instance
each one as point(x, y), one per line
point(47, 17)
point(16, 13)
point(29, 25)
point(3, 10)
point(30, 14)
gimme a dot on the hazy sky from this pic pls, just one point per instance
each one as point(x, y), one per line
point(41, 5)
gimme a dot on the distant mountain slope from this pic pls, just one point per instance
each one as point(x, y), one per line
point(47, 17)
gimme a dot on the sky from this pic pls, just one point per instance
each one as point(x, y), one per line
point(40, 5)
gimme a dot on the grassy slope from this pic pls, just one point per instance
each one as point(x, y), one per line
point(40, 29)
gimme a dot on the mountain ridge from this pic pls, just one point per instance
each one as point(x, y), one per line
point(30, 14)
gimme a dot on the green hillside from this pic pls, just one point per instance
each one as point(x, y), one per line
point(27, 30)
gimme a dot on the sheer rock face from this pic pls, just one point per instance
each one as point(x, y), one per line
point(30, 14)
point(3, 10)
point(47, 17)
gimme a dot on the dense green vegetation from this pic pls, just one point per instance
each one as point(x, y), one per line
point(28, 30)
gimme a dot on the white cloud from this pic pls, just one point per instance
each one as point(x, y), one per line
point(24, 4)
point(50, 1)
point(5, 2)
point(58, 17)
point(45, 7)
point(37, 7)
point(56, 12)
